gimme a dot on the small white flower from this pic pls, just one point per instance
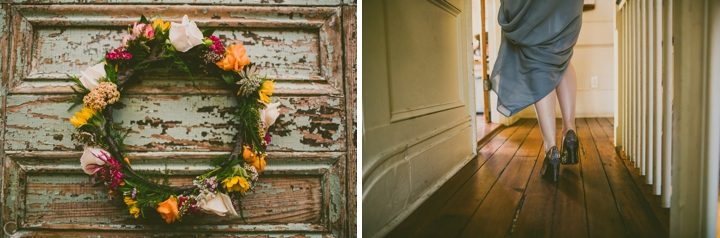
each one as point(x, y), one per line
point(90, 76)
point(185, 35)
point(269, 114)
point(221, 205)
point(90, 158)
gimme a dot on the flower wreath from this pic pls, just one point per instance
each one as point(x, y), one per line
point(184, 46)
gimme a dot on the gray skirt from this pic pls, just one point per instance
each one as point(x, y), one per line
point(538, 37)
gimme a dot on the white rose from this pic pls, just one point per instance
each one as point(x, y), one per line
point(90, 158)
point(269, 114)
point(221, 205)
point(90, 76)
point(185, 35)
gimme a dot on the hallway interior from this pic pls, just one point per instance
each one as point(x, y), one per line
point(501, 193)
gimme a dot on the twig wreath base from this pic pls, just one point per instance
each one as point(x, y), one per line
point(173, 45)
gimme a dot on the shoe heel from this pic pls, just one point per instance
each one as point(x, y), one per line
point(552, 158)
point(571, 149)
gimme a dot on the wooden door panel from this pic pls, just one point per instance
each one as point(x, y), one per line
point(174, 123)
point(301, 47)
point(177, 123)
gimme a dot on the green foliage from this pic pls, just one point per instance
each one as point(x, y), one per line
point(78, 94)
point(111, 74)
point(144, 20)
point(229, 77)
point(248, 117)
point(208, 32)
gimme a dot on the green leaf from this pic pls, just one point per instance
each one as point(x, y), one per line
point(208, 32)
point(144, 20)
point(110, 73)
point(78, 83)
point(228, 77)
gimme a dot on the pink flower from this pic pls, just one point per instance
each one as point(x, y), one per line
point(137, 29)
point(149, 31)
point(118, 54)
point(109, 172)
point(125, 40)
point(216, 46)
point(144, 30)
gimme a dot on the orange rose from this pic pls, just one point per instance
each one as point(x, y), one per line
point(249, 156)
point(259, 164)
point(235, 58)
point(168, 209)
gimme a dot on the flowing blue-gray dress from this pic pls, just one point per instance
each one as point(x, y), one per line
point(538, 37)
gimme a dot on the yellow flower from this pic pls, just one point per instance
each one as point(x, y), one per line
point(159, 22)
point(82, 116)
point(129, 201)
point(135, 211)
point(236, 183)
point(168, 209)
point(235, 58)
point(266, 90)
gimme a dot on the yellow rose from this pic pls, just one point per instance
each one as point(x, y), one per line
point(235, 58)
point(159, 22)
point(129, 201)
point(266, 90)
point(135, 211)
point(236, 184)
point(168, 209)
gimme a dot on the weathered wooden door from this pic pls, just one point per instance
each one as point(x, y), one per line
point(308, 186)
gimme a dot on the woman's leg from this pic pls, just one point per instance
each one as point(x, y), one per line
point(545, 112)
point(566, 94)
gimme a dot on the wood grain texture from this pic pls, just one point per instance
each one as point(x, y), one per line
point(53, 194)
point(4, 53)
point(603, 217)
point(421, 215)
point(570, 204)
point(596, 201)
point(639, 218)
point(450, 219)
point(505, 196)
point(349, 14)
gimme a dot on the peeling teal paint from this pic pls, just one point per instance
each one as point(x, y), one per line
point(337, 202)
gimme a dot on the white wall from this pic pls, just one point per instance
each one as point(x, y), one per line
point(418, 109)
point(593, 57)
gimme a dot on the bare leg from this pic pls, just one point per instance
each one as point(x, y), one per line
point(545, 112)
point(566, 94)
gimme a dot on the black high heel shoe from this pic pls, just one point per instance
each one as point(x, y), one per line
point(570, 148)
point(552, 158)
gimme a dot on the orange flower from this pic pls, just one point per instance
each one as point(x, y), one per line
point(249, 156)
point(235, 58)
point(259, 164)
point(168, 209)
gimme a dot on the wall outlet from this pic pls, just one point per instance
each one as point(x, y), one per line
point(594, 82)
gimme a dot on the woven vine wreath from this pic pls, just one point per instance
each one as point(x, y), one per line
point(160, 44)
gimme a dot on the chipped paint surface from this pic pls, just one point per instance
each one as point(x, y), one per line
point(301, 194)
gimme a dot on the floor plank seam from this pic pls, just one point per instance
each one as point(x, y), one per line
point(483, 163)
point(612, 190)
point(498, 177)
point(522, 200)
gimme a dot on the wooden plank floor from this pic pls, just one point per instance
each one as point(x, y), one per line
point(501, 193)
